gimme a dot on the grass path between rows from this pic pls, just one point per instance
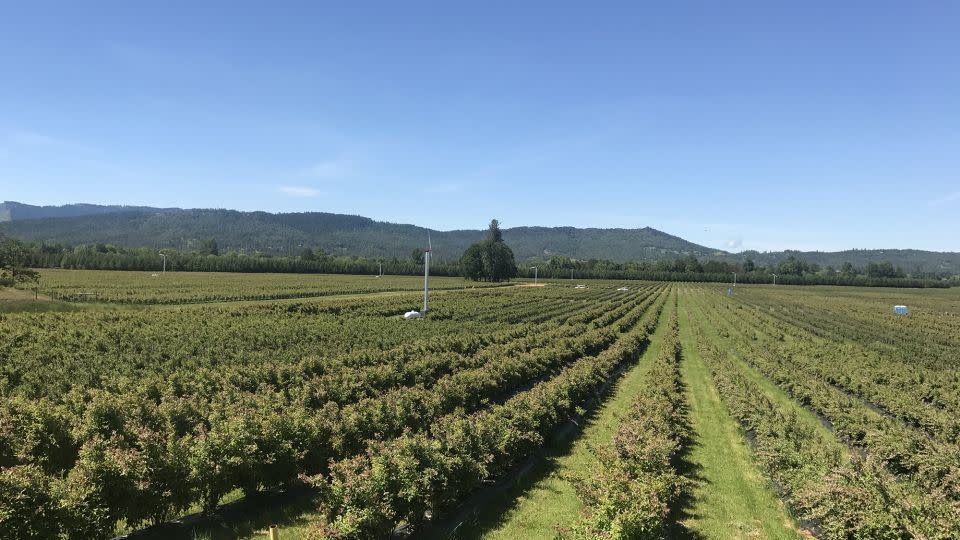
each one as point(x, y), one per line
point(730, 499)
point(771, 390)
point(551, 501)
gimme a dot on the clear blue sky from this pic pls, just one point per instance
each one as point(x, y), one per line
point(742, 125)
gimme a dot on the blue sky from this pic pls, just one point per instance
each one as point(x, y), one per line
point(740, 125)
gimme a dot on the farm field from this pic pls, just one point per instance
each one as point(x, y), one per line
point(664, 410)
point(122, 287)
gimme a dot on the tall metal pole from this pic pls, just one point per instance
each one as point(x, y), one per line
point(426, 281)
point(534, 268)
point(164, 255)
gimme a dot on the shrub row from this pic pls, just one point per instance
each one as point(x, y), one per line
point(839, 495)
point(413, 477)
point(922, 396)
point(932, 464)
point(632, 490)
point(146, 455)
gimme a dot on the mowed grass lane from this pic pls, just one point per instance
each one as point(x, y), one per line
point(730, 497)
point(549, 500)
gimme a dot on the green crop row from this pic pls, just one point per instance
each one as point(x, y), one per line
point(635, 485)
point(415, 477)
point(142, 452)
point(838, 492)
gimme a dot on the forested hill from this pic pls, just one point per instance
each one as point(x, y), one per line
point(339, 234)
point(910, 260)
point(10, 210)
point(336, 234)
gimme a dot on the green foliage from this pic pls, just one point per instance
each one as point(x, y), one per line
point(338, 235)
point(494, 234)
point(27, 507)
point(794, 266)
point(883, 270)
point(107, 422)
point(490, 260)
point(471, 263)
point(897, 481)
point(209, 247)
point(667, 267)
point(195, 287)
point(130, 427)
point(36, 431)
point(14, 258)
point(634, 487)
point(418, 256)
point(404, 479)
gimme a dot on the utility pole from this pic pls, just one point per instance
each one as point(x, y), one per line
point(426, 275)
point(426, 280)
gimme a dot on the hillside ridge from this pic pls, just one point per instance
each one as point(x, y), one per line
point(341, 234)
point(346, 234)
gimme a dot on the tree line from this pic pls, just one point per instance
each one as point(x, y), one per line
point(791, 271)
point(14, 263)
point(489, 260)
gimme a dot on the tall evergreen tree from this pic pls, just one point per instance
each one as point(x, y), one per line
point(489, 260)
point(493, 233)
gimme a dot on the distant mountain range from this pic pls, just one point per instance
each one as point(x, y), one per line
point(340, 234)
point(10, 210)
